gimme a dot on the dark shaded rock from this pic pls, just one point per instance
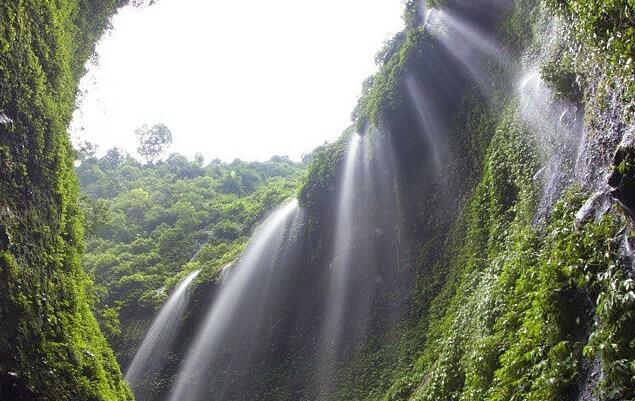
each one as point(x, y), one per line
point(4, 239)
point(590, 380)
point(13, 387)
point(622, 178)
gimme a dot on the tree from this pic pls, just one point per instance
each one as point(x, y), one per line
point(231, 183)
point(153, 141)
point(280, 159)
point(114, 157)
point(86, 150)
point(199, 159)
point(96, 215)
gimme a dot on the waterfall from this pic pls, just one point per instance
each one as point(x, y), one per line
point(236, 308)
point(468, 44)
point(146, 363)
point(559, 130)
point(289, 314)
point(339, 270)
point(365, 261)
point(431, 126)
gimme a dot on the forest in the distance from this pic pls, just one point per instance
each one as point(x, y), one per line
point(148, 223)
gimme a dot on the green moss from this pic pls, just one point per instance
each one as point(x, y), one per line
point(558, 72)
point(506, 312)
point(510, 322)
point(51, 347)
point(507, 308)
point(502, 312)
point(380, 93)
point(321, 171)
point(601, 33)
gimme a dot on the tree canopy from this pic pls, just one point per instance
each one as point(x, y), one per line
point(147, 223)
point(153, 141)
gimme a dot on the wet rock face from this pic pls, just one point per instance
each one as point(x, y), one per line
point(590, 379)
point(622, 178)
point(13, 387)
point(605, 126)
point(594, 208)
point(4, 239)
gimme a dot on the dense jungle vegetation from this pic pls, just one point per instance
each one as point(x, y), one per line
point(51, 347)
point(507, 288)
point(147, 224)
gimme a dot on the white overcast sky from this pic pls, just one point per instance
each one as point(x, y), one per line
point(244, 79)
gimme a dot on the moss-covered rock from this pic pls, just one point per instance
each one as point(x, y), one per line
point(51, 347)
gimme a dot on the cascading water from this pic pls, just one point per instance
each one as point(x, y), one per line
point(146, 364)
point(431, 126)
point(467, 44)
point(339, 276)
point(557, 124)
point(560, 135)
point(235, 297)
point(464, 54)
point(256, 313)
point(344, 235)
point(475, 40)
point(365, 266)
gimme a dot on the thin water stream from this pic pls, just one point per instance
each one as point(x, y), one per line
point(147, 362)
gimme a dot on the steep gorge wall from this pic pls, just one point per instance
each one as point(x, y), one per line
point(521, 279)
point(531, 302)
point(51, 347)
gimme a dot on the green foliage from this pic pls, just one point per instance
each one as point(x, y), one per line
point(560, 74)
point(153, 141)
point(502, 312)
point(86, 150)
point(152, 223)
point(600, 33)
point(379, 94)
point(614, 337)
point(321, 170)
point(51, 347)
point(515, 306)
point(510, 322)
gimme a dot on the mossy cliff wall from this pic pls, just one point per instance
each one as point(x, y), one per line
point(51, 347)
point(524, 285)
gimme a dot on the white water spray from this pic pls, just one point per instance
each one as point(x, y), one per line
point(468, 44)
point(559, 132)
point(189, 384)
point(343, 238)
point(161, 334)
point(431, 126)
point(339, 275)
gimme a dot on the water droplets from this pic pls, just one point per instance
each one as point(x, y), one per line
point(5, 119)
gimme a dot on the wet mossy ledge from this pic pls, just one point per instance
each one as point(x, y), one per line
point(51, 347)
